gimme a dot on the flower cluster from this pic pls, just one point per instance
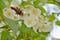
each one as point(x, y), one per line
point(36, 20)
point(32, 18)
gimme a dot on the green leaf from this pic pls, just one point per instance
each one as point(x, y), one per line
point(40, 2)
point(51, 17)
point(5, 35)
point(9, 38)
point(53, 2)
point(28, 34)
point(12, 24)
point(9, 0)
point(36, 2)
point(24, 3)
point(2, 5)
point(42, 9)
point(25, 32)
point(58, 23)
point(40, 36)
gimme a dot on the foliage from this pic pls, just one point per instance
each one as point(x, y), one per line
point(25, 33)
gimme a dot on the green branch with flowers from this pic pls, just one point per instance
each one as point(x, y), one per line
point(26, 20)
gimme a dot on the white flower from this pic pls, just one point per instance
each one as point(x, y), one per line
point(45, 28)
point(2, 24)
point(35, 12)
point(29, 21)
point(39, 23)
point(42, 26)
point(9, 13)
point(31, 10)
point(37, 27)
